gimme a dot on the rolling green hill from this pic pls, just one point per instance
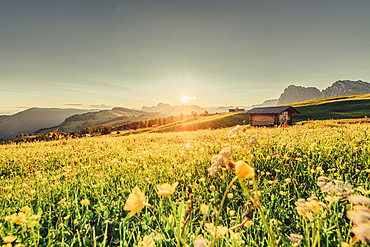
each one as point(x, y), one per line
point(117, 115)
point(205, 122)
point(341, 107)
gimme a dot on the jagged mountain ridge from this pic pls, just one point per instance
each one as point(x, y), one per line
point(342, 87)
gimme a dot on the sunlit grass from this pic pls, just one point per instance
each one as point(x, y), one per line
point(76, 191)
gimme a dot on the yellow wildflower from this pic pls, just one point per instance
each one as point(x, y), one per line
point(230, 195)
point(147, 241)
point(135, 202)
point(33, 223)
point(234, 187)
point(9, 239)
point(85, 202)
point(204, 208)
point(283, 193)
point(202, 180)
point(249, 223)
point(200, 243)
point(301, 211)
point(313, 205)
point(24, 209)
point(34, 217)
point(166, 189)
point(243, 170)
point(20, 219)
point(332, 198)
point(232, 212)
point(10, 217)
point(287, 180)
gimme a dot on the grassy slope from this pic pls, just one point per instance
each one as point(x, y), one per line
point(214, 122)
point(341, 107)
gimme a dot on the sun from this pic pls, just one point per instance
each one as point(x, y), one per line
point(185, 99)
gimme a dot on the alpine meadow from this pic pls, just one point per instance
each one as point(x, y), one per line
point(300, 185)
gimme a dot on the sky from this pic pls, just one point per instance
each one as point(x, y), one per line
point(101, 54)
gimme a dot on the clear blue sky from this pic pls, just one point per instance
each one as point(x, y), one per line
point(135, 53)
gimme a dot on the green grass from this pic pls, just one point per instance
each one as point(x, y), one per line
point(341, 107)
point(205, 122)
point(52, 178)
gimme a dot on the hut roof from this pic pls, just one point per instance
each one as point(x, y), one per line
point(271, 110)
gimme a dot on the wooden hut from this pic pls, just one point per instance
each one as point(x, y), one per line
point(269, 116)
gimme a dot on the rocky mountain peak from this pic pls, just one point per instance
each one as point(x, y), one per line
point(341, 87)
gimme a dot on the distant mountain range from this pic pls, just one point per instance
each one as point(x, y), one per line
point(344, 87)
point(32, 119)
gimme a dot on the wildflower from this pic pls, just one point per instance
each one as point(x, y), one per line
point(235, 130)
point(85, 202)
point(33, 223)
point(236, 237)
point(230, 195)
point(63, 200)
point(225, 152)
point(357, 170)
point(362, 231)
point(20, 219)
point(221, 230)
point(332, 198)
point(188, 174)
point(295, 238)
point(204, 209)
point(234, 187)
point(359, 215)
point(166, 189)
point(10, 217)
point(322, 179)
point(319, 169)
point(147, 241)
point(249, 223)
point(301, 211)
point(135, 202)
point(313, 205)
point(9, 239)
point(200, 243)
point(270, 182)
point(34, 217)
point(232, 212)
point(277, 170)
point(187, 144)
point(268, 173)
point(287, 180)
point(202, 180)
point(357, 199)
point(283, 193)
point(243, 170)
point(212, 188)
point(24, 209)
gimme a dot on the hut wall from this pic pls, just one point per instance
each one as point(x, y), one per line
point(263, 120)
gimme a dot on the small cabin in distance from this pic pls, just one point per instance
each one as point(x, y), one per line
point(236, 109)
point(269, 116)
